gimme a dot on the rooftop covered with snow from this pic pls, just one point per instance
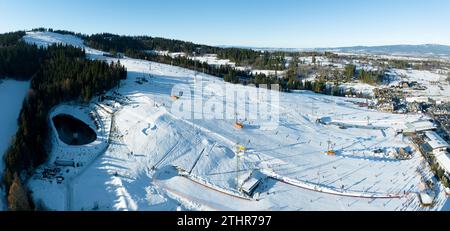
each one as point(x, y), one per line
point(443, 159)
point(435, 141)
point(420, 126)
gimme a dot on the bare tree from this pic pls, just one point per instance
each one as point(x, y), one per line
point(17, 197)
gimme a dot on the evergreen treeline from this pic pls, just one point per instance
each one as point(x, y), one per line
point(17, 59)
point(254, 59)
point(11, 38)
point(276, 60)
point(65, 32)
point(371, 77)
point(244, 57)
point(140, 47)
point(349, 72)
point(20, 60)
point(58, 73)
point(400, 64)
point(221, 71)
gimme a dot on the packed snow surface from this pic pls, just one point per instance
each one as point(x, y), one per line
point(12, 93)
point(44, 39)
point(154, 159)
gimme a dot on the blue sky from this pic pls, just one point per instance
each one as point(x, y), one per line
point(269, 23)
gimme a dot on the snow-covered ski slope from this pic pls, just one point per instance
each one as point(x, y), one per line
point(44, 39)
point(12, 93)
point(147, 140)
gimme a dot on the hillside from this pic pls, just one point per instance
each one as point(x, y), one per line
point(149, 155)
point(426, 50)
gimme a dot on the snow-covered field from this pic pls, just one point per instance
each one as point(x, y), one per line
point(212, 59)
point(12, 93)
point(437, 86)
point(321, 61)
point(279, 74)
point(364, 88)
point(148, 140)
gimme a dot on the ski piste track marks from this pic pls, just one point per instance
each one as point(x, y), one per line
point(183, 195)
point(282, 179)
point(301, 119)
point(211, 187)
point(69, 182)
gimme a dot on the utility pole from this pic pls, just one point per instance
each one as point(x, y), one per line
point(329, 145)
point(193, 124)
point(195, 59)
point(237, 166)
point(334, 107)
point(318, 177)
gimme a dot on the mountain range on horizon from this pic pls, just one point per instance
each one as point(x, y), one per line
point(422, 50)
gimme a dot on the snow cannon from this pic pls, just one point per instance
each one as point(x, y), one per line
point(331, 153)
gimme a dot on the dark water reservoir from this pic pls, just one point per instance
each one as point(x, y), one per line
point(73, 131)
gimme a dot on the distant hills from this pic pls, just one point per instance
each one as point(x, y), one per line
point(425, 50)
